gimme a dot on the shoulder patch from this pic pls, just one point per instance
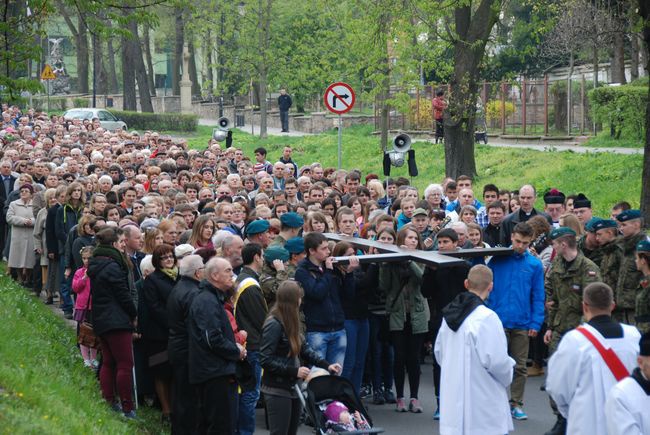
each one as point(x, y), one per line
point(591, 273)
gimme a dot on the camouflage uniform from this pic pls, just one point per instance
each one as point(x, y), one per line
point(270, 280)
point(628, 281)
point(278, 241)
point(611, 263)
point(564, 286)
point(643, 305)
point(595, 255)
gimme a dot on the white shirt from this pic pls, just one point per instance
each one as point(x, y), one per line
point(579, 379)
point(627, 410)
point(476, 373)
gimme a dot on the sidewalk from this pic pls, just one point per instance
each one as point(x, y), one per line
point(271, 131)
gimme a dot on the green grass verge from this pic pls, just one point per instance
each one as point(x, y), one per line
point(44, 387)
point(604, 140)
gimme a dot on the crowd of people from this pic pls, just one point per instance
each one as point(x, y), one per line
point(212, 274)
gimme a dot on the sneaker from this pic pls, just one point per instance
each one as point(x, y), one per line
point(518, 413)
point(95, 364)
point(414, 406)
point(117, 407)
point(389, 396)
point(378, 398)
point(88, 363)
point(559, 428)
point(436, 415)
point(130, 415)
point(535, 370)
point(365, 392)
point(401, 405)
point(68, 315)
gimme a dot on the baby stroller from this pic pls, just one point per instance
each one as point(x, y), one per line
point(321, 391)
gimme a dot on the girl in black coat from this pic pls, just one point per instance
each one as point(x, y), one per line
point(114, 315)
point(283, 349)
point(155, 331)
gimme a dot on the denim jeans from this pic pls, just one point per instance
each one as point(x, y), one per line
point(357, 332)
point(329, 345)
point(248, 399)
point(64, 290)
point(381, 354)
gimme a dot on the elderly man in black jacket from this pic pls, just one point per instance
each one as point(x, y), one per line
point(213, 351)
point(184, 396)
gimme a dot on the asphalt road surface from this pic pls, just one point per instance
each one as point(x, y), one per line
point(540, 417)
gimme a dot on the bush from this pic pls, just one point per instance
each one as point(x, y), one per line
point(425, 117)
point(80, 102)
point(494, 108)
point(56, 103)
point(158, 121)
point(622, 107)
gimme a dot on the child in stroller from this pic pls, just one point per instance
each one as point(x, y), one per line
point(333, 407)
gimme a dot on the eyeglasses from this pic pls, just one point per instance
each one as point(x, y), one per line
point(167, 257)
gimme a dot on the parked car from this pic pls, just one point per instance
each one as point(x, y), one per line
point(107, 120)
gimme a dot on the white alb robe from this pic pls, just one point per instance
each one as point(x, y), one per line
point(579, 379)
point(627, 409)
point(476, 374)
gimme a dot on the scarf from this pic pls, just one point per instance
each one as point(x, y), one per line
point(172, 273)
point(111, 252)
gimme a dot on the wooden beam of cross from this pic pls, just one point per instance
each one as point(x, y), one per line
point(392, 253)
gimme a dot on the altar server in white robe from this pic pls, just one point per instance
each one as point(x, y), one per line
point(627, 409)
point(472, 351)
point(579, 379)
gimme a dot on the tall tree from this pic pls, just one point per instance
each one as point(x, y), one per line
point(644, 13)
point(79, 32)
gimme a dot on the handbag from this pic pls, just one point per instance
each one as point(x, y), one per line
point(86, 336)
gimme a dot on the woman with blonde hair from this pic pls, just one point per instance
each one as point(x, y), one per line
point(202, 232)
point(570, 220)
point(152, 238)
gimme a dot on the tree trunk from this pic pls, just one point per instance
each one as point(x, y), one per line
point(263, 104)
point(596, 60)
point(473, 30)
point(194, 76)
point(101, 79)
point(128, 72)
point(207, 50)
point(137, 63)
point(82, 55)
point(618, 60)
point(634, 56)
point(569, 95)
point(644, 11)
point(177, 59)
point(147, 54)
point(264, 29)
point(112, 70)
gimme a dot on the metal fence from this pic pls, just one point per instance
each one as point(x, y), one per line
point(523, 107)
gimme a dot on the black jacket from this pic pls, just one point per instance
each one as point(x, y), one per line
point(51, 240)
point(492, 235)
point(250, 310)
point(113, 305)
point(443, 284)
point(281, 370)
point(156, 290)
point(284, 102)
point(212, 349)
point(178, 308)
point(355, 305)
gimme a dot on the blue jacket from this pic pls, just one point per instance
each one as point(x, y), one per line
point(518, 293)
point(323, 291)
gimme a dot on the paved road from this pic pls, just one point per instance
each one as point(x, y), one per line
point(540, 417)
point(560, 146)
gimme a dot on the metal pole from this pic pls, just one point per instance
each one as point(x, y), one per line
point(545, 105)
point(503, 108)
point(94, 70)
point(48, 96)
point(523, 108)
point(340, 138)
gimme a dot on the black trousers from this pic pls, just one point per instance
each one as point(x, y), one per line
point(284, 119)
point(283, 414)
point(185, 401)
point(218, 403)
point(407, 356)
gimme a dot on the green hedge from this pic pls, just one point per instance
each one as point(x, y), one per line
point(622, 107)
point(158, 121)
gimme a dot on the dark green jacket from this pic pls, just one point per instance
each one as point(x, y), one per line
point(628, 275)
point(401, 282)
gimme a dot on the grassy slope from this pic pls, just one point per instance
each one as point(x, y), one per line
point(603, 139)
point(604, 177)
point(44, 387)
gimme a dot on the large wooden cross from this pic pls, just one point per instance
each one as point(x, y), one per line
point(392, 253)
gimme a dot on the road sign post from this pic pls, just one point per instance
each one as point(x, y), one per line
point(47, 74)
point(339, 98)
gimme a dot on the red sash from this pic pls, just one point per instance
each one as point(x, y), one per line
point(609, 356)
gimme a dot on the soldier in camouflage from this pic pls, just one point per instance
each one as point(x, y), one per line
point(588, 244)
point(643, 295)
point(569, 274)
point(631, 228)
point(274, 272)
point(607, 237)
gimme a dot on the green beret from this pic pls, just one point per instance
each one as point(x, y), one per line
point(273, 253)
point(628, 215)
point(643, 246)
point(604, 223)
point(292, 220)
point(295, 245)
point(257, 227)
point(561, 232)
point(589, 225)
